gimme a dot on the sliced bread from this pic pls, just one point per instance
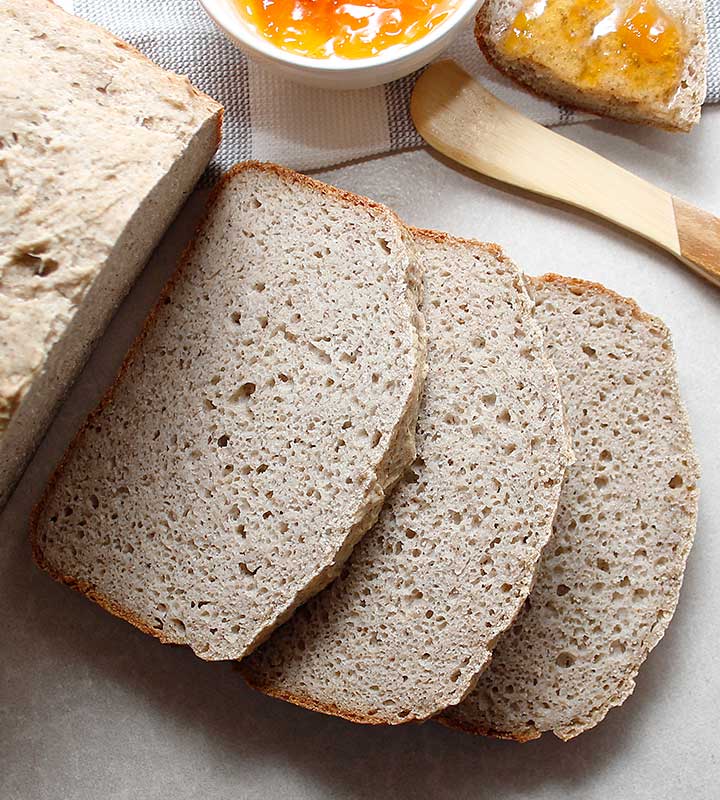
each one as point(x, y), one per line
point(609, 580)
point(636, 60)
point(411, 621)
point(256, 425)
point(99, 147)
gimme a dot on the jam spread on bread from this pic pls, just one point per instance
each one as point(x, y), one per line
point(357, 29)
point(630, 48)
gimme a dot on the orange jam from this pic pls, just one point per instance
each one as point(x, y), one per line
point(629, 48)
point(357, 29)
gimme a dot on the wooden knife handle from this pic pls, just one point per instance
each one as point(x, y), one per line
point(699, 238)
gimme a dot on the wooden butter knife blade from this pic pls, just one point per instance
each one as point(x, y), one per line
point(461, 119)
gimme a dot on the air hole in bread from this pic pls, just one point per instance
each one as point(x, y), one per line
point(244, 391)
point(178, 624)
point(565, 660)
point(35, 260)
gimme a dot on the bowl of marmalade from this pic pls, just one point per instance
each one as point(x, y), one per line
point(341, 45)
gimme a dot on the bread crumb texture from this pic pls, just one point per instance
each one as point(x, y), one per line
point(250, 438)
point(609, 579)
point(409, 624)
point(638, 60)
point(88, 127)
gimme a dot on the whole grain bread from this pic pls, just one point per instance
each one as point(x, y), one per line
point(609, 579)
point(256, 425)
point(411, 621)
point(99, 147)
point(540, 71)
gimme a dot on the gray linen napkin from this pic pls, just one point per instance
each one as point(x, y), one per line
point(269, 118)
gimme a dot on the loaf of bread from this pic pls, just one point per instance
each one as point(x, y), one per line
point(609, 579)
point(411, 621)
point(98, 149)
point(256, 425)
point(636, 60)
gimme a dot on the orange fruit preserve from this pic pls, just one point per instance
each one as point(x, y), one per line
point(631, 48)
point(358, 29)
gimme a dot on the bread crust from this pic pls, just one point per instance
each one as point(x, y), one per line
point(593, 287)
point(334, 710)
point(441, 237)
point(478, 730)
point(488, 49)
point(172, 76)
point(311, 704)
point(402, 441)
point(626, 680)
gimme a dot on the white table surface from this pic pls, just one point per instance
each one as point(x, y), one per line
point(91, 708)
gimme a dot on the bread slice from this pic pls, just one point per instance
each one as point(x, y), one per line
point(412, 620)
point(666, 90)
point(609, 580)
point(254, 429)
point(99, 148)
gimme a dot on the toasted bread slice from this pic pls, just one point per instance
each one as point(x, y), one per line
point(556, 49)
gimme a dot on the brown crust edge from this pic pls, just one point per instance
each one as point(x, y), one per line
point(310, 704)
point(482, 38)
point(464, 727)
point(333, 710)
point(592, 287)
point(83, 587)
point(626, 685)
point(440, 237)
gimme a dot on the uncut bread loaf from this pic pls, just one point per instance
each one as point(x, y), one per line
point(99, 147)
point(609, 579)
point(662, 83)
point(411, 621)
point(255, 427)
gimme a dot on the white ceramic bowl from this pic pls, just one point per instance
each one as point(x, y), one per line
point(336, 73)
